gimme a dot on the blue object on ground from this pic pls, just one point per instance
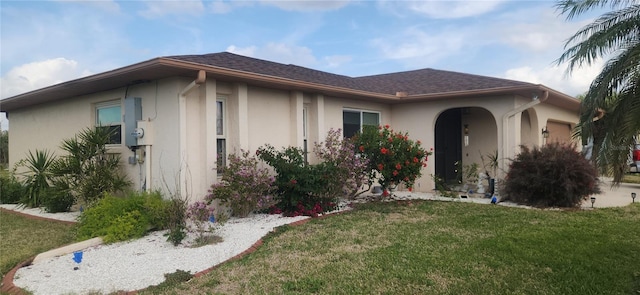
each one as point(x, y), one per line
point(77, 256)
point(212, 219)
point(494, 200)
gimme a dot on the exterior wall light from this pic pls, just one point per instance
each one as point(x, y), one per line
point(545, 132)
point(633, 197)
point(466, 134)
point(593, 200)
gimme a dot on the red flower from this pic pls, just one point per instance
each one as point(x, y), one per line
point(406, 163)
point(386, 126)
point(379, 126)
point(362, 148)
point(406, 179)
point(410, 189)
point(384, 151)
point(385, 193)
point(415, 160)
point(398, 166)
point(380, 167)
point(424, 165)
point(419, 142)
point(395, 172)
point(293, 181)
point(390, 139)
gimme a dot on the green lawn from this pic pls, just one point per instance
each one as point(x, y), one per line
point(440, 248)
point(631, 178)
point(21, 238)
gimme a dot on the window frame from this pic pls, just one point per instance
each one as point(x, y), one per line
point(221, 162)
point(360, 112)
point(97, 124)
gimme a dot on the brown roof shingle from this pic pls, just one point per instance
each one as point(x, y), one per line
point(424, 81)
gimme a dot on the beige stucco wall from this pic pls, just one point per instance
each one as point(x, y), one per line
point(48, 124)
point(255, 116)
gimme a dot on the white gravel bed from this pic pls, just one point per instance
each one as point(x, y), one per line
point(67, 216)
point(141, 263)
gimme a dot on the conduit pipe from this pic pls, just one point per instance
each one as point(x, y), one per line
point(182, 109)
point(508, 115)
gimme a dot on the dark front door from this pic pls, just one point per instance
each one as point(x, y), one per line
point(448, 144)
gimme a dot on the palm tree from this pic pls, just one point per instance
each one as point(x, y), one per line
point(614, 35)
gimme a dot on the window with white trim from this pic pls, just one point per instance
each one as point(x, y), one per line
point(221, 138)
point(109, 118)
point(353, 120)
point(305, 148)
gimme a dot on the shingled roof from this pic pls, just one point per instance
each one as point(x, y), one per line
point(424, 81)
point(400, 87)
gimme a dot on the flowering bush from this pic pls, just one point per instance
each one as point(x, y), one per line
point(350, 168)
point(301, 187)
point(201, 215)
point(393, 158)
point(244, 187)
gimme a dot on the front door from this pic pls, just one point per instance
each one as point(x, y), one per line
point(448, 145)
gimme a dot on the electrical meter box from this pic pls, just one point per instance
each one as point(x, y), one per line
point(132, 114)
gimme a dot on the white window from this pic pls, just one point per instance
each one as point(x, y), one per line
point(305, 132)
point(221, 142)
point(109, 118)
point(354, 120)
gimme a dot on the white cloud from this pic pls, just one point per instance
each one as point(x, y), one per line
point(220, 7)
point(278, 52)
point(439, 9)
point(555, 77)
point(334, 61)
point(307, 5)
point(159, 8)
point(538, 34)
point(40, 74)
point(416, 47)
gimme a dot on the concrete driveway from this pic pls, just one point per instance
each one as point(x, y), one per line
point(619, 196)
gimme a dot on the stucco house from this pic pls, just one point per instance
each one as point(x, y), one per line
point(192, 108)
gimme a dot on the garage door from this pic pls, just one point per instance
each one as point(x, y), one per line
point(559, 132)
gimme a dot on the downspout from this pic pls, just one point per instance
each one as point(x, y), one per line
point(507, 116)
point(182, 109)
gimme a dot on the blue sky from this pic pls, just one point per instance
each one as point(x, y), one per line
point(48, 42)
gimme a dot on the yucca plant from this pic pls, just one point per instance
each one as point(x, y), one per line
point(38, 176)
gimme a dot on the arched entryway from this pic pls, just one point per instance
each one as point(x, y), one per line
point(463, 136)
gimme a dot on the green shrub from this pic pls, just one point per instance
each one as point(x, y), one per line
point(301, 187)
point(118, 219)
point(11, 190)
point(554, 175)
point(130, 225)
point(57, 200)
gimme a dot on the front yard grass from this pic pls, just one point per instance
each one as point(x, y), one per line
point(631, 178)
point(440, 248)
point(21, 238)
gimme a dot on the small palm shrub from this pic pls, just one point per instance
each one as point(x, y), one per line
point(555, 175)
point(118, 219)
point(87, 170)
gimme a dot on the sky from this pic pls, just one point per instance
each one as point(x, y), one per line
point(48, 42)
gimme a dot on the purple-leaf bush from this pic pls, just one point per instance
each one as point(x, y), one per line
point(244, 186)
